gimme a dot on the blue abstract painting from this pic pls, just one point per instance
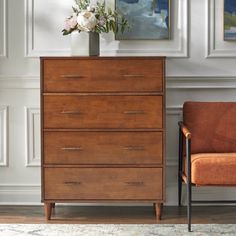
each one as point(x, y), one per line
point(148, 19)
point(230, 20)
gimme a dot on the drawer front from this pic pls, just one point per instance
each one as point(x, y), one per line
point(102, 111)
point(103, 147)
point(126, 75)
point(103, 183)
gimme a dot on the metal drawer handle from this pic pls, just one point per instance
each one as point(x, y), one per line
point(138, 112)
point(135, 183)
point(72, 76)
point(72, 113)
point(132, 76)
point(134, 148)
point(72, 183)
point(72, 148)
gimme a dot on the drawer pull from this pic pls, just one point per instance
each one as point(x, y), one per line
point(72, 149)
point(135, 183)
point(71, 112)
point(134, 148)
point(133, 76)
point(138, 112)
point(72, 76)
point(72, 183)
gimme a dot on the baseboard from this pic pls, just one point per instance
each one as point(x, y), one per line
point(27, 195)
point(20, 195)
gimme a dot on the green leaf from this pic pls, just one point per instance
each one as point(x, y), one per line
point(107, 27)
point(67, 32)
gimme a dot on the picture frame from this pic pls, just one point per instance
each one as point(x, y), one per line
point(229, 15)
point(148, 19)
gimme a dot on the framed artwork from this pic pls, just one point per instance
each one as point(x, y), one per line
point(229, 20)
point(149, 19)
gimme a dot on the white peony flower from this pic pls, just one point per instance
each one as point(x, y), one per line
point(86, 21)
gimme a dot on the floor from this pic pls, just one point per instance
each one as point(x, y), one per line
point(117, 215)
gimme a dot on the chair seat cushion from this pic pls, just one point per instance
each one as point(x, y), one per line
point(213, 168)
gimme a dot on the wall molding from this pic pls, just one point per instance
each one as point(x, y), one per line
point(3, 53)
point(4, 136)
point(172, 82)
point(19, 82)
point(201, 82)
point(210, 28)
point(32, 160)
point(181, 51)
point(26, 194)
point(20, 194)
point(211, 49)
point(174, 110)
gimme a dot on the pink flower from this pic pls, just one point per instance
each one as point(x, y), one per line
point(70, 23)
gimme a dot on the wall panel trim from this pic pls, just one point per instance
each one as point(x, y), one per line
point(201, 82)
point(174, 110)
point(19, 82)
point(3, 54)
point(4, 136)
point(172, 82)
point(32, 160)
point(20, 194)
point(211, 50)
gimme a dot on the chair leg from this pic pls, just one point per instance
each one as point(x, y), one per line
point(189, 205)
point(180, 167)
point(179, 189)
point(189, 184)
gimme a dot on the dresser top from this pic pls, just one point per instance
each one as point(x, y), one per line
point(103, 57)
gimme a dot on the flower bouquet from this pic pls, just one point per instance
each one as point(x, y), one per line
point(92, 17)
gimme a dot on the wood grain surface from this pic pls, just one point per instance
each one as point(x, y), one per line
point(103, 148)
point(103, 183)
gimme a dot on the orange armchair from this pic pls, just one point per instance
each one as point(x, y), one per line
point(207, 148)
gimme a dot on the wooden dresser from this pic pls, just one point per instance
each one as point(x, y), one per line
point(103, 130)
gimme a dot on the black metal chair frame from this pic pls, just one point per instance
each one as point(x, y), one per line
point(185, 135)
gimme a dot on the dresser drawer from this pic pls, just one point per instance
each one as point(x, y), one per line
point(103, 147)
point(102, 111)
point(103, 183)
point(91, 75)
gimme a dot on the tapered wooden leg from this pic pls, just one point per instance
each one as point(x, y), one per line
point(48, 210)
point(158, 210)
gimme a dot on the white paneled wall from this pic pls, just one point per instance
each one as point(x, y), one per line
point(200, 66)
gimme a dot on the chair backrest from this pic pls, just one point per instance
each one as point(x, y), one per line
point(212, 124)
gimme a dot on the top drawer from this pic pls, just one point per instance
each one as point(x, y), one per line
point(103, 75)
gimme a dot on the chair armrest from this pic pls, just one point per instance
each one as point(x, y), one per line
point(185, 130)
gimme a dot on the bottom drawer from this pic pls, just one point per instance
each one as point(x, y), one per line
point(103, 183)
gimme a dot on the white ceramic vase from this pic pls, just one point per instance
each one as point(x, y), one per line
point(85, 44)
